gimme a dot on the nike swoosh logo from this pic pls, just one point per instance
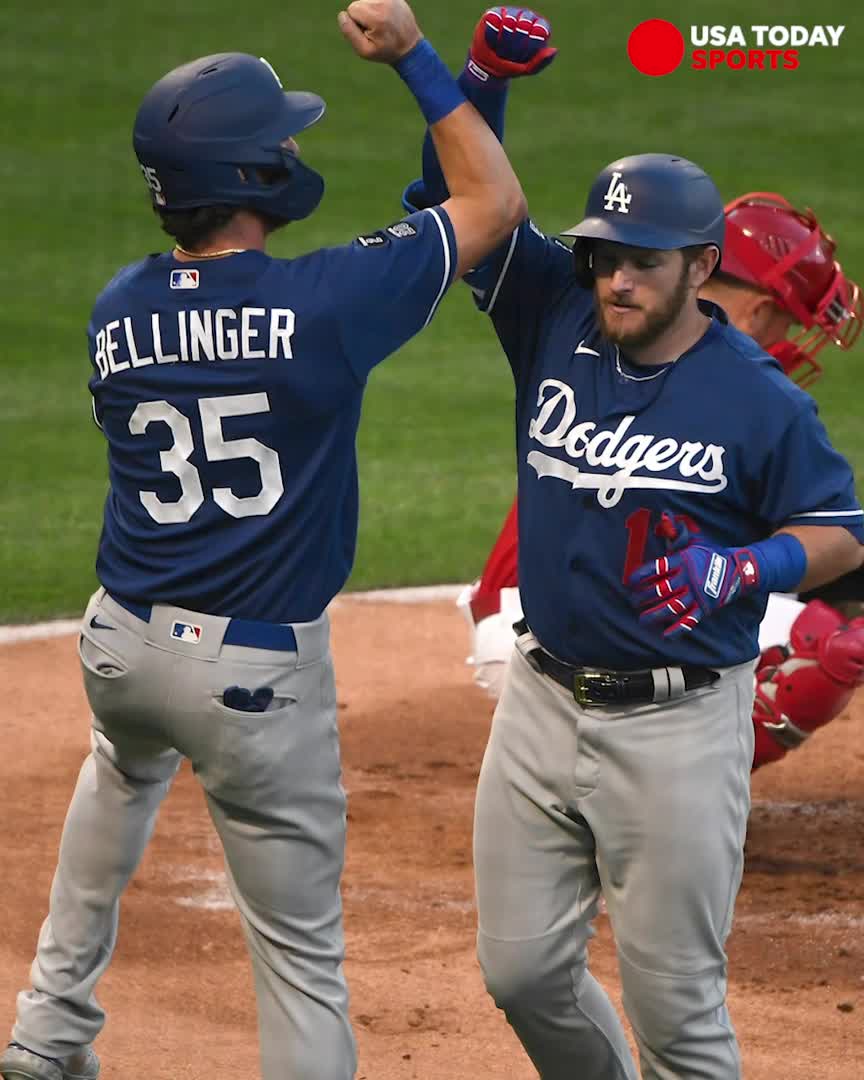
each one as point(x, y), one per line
point(582, 348)
point(99, 626)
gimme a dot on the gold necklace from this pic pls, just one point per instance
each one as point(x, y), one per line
point(209, 254)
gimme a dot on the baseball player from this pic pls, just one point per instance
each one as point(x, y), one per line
point(228, 385)
point(779, 272)
point(657, 511)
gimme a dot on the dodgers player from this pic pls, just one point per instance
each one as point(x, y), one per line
point(228, 385)
point(779, 272)
point(656, 513)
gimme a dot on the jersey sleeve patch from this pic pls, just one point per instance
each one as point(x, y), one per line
point(374, 240)
point(402, 230)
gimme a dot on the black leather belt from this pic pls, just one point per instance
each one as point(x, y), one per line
point(596, 686)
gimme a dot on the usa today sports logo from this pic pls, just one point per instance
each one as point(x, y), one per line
point(657, 47)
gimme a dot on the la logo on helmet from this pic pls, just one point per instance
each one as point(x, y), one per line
point(617, 196)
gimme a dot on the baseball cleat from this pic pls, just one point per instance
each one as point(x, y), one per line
point(19, 1063)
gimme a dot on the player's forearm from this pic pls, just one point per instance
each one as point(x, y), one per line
point(490, 101)
point(831, 552)
point(475, 166)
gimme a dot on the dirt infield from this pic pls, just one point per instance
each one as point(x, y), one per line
point(179, 994)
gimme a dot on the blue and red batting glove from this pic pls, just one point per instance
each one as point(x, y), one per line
point(692, 580)
point(508, 43)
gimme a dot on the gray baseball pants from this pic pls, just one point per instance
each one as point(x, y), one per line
point(649, 804)
point(273, 789)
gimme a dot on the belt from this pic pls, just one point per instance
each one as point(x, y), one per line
point(249, 633)
point(597, 687)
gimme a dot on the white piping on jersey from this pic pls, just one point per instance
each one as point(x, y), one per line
point(636, 378)
point(93, 409)
point(446, 280)
point(503, 273)
point(830, 513)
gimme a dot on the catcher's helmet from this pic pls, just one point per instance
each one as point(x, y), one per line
point(651, 201)
point(785, 252)
point(211, 132)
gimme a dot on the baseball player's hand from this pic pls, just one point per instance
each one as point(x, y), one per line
point(691, 581)
point(510, 42)
point(380, 30)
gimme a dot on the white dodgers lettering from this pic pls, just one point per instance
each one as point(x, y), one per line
point(699, 467)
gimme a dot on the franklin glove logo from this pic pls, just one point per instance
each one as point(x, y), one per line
point(716, 573)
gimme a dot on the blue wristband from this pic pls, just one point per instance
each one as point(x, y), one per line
point(426, 76)
point(782, 563)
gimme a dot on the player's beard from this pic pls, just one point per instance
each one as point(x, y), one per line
point(654, 323)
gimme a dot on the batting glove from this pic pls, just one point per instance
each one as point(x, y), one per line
point(508, 43)
point(693, 580)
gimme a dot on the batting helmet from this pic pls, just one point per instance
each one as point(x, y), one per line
point(651, 201)
point(211, 132)
point(785, 252)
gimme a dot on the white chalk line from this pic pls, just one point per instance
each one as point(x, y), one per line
point(421, 594)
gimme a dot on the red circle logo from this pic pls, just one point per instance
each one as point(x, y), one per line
point(656, 47)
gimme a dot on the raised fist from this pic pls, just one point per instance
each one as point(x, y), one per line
point(380, 30)
point(510, 42)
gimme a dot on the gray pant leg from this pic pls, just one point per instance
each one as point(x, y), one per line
point(276, 799)
point(108, 825)
point(670, 817)
point(537, 886)
point(273, 785)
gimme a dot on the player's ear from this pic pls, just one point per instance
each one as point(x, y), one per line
point(761, 312)
point(701, 264)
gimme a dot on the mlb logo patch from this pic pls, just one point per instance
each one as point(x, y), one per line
point(185, 279)
point(188, 632)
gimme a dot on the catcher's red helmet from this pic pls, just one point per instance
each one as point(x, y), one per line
point(786, 252)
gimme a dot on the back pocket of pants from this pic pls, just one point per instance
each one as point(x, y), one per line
point(100, 662)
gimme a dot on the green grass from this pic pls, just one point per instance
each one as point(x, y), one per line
point(436, 441)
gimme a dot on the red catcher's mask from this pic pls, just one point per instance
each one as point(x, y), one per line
point(785, 252)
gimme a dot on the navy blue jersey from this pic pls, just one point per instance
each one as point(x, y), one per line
point(229, 391)
point(722, 439)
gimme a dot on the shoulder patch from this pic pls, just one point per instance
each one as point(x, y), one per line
point(373, 240)
point(402, 230)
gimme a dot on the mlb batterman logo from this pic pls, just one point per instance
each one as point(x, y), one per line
point(185, 279)
point(188, 632)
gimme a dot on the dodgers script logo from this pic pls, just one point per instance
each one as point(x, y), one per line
point(617, 196)
point(631, 457)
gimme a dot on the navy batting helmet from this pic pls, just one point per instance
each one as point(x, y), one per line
point(211, 132)
point(651, 201)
